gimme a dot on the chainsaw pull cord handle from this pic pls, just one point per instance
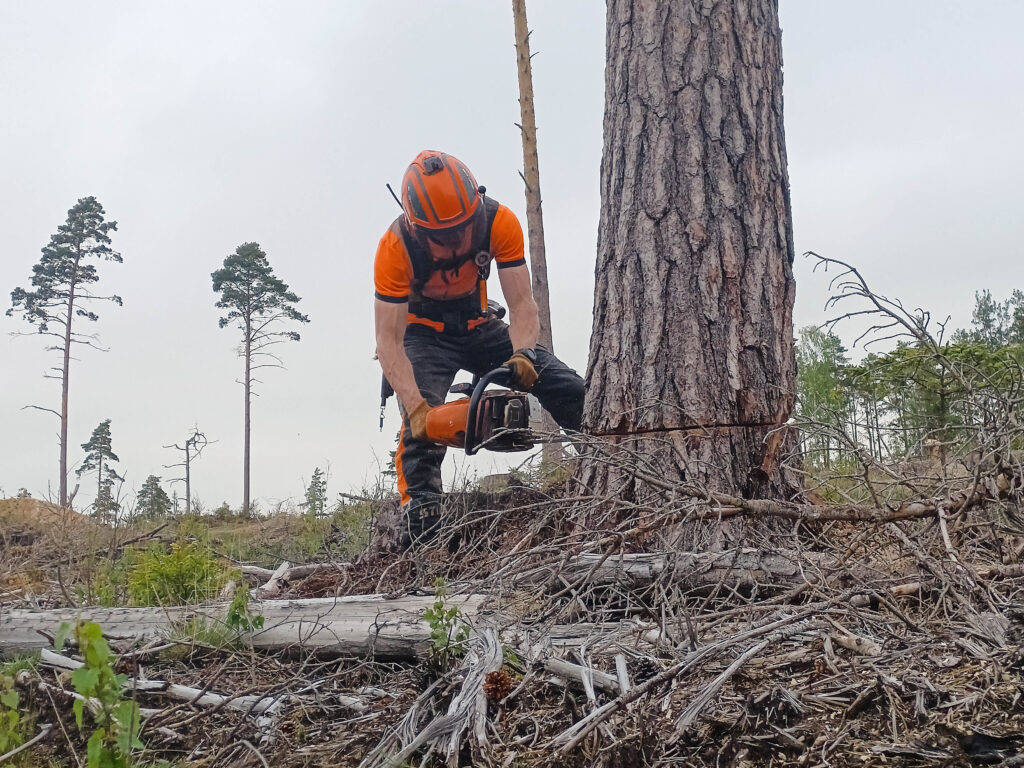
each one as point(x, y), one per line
point(474, 405)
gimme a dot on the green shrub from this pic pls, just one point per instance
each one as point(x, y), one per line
point(449, 635)
point(104, 583)
point(188, 573)
point(118, 722)
point(11, 731)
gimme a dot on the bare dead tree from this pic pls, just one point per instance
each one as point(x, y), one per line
point(534, 214)
point(191, 449)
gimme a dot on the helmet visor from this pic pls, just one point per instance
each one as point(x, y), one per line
point(451, 237)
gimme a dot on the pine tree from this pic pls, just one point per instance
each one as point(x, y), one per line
point(820, 360)
point(61, 294)
point(990, 320)
point(692, 365)
point(98, 458)
point(152, 501)
point(257, 303)
point(316, 494)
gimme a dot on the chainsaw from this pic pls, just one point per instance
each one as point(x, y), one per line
point(496, 419)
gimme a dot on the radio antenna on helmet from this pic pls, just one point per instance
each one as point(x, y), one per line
point(395, 196)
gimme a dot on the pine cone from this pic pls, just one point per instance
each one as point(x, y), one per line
point(498, 685)
point(646, 668)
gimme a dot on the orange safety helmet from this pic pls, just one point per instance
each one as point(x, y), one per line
point(440, 195)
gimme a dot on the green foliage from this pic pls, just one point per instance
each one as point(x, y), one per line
point(995, 323)
point(98, 458)
point(65, 264)
point(202, 632)
point(239, 617)
point(316, 495)
point(11, 728)
point(152, 501)
point(104, 582)
point(449, 634)
point(188, 573)
point(254, 296)
point(894, 405)
point(118, 722)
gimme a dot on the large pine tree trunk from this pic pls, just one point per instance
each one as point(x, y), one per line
point(692, 356)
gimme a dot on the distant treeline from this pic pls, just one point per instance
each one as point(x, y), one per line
point(897, 404)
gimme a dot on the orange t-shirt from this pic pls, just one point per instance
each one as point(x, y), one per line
point(393, 274)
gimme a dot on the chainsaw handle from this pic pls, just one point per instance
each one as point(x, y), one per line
point(474, 405)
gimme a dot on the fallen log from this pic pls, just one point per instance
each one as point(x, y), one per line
point(290, 572)
point(365, 625)
point(197, 697)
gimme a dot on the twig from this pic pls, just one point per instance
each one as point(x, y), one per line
point(44, 731)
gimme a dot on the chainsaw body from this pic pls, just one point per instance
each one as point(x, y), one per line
point(498, 420)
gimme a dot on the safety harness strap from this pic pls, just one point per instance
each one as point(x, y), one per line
point(455, 314)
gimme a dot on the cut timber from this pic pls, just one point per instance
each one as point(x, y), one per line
point(366, 625)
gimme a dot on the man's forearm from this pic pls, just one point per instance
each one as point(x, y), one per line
point(524, 325)
point(399, 373)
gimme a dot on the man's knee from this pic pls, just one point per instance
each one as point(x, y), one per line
point(562, 392)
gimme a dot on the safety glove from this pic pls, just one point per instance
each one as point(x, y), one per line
point(524, 374)
point(418, 420)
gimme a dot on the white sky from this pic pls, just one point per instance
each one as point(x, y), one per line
point(202, 125)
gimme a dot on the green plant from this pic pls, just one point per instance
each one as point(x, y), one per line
point(188, 573)
point(11, 731)
point(117, 720)
point(202, 633)
point(448, 631)
point(239, 617)
point(104, 582)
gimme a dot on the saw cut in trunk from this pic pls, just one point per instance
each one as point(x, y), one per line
point(692, 362)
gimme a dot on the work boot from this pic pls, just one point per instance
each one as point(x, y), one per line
point(421, 522)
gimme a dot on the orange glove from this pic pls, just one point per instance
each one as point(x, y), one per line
point(524, 375)
point(418, 420)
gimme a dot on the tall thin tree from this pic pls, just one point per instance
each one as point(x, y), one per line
point(692, 353)
point(258, 303)
point(61, 295)
point(534, 212)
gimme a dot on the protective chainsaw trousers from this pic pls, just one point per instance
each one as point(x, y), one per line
point(436, 358)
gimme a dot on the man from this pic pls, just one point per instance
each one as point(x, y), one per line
point(432, 319)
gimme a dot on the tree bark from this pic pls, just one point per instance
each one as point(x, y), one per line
point(248, 399)
point(188, 479)
point(692, 360)
point(64, 382)
point(531, 175)
point(551, 452)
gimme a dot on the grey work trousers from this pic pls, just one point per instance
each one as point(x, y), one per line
point(436, 358)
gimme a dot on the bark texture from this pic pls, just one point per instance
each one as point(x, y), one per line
point(692, 349)
point(552, 452)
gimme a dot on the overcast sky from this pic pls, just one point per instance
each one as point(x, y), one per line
point(203, 125)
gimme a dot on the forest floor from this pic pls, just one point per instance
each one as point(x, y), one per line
point(675, 632)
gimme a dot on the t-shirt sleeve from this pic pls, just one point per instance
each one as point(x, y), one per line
point(507, 239)
point(392, 273)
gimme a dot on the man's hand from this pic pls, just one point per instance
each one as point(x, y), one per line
point(418, 420)
point(524, 375)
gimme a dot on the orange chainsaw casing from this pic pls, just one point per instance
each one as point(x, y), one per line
point(446, 424)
